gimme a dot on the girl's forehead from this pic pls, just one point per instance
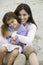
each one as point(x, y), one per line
point(11, 20)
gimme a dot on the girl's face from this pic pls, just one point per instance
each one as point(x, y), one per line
point(12, 23)
point(23, 16)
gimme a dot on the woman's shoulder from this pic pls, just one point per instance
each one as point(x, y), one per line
point(32, 26)
point(0, 28)
point(0, 31)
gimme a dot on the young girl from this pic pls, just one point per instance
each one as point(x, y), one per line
point(12, 44)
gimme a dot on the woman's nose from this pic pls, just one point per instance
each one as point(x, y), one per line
point(22, 17)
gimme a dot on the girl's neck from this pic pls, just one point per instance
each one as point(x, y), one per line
point(17, 27)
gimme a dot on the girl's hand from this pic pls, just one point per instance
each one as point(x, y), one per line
point(13, 42)
point(15, 37)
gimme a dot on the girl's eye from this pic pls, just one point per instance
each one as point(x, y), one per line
point(11, 23)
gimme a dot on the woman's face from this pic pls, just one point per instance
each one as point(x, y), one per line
point(23, 16)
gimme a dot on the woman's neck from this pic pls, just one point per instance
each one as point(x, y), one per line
point(25, 24)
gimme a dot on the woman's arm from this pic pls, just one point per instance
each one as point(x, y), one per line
point(30, 36)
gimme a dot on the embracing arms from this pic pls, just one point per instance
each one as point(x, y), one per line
point(30, 36)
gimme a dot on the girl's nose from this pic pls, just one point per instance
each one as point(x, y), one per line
point(11, 25)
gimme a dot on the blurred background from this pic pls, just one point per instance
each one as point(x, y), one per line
point(37, 11)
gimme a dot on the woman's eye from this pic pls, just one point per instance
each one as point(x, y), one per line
point(24, 14)
point(12, 21)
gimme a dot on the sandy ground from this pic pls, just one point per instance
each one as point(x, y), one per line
point(37, 11)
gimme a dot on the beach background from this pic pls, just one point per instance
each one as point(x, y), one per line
point(37, 11)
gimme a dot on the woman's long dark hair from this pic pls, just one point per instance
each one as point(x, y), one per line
point(27, 9)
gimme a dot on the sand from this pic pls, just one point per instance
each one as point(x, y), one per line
point(37, 11)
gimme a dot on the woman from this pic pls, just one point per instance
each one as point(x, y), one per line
point(24, 14)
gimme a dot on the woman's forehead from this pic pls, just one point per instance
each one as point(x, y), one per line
point(23, 12)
